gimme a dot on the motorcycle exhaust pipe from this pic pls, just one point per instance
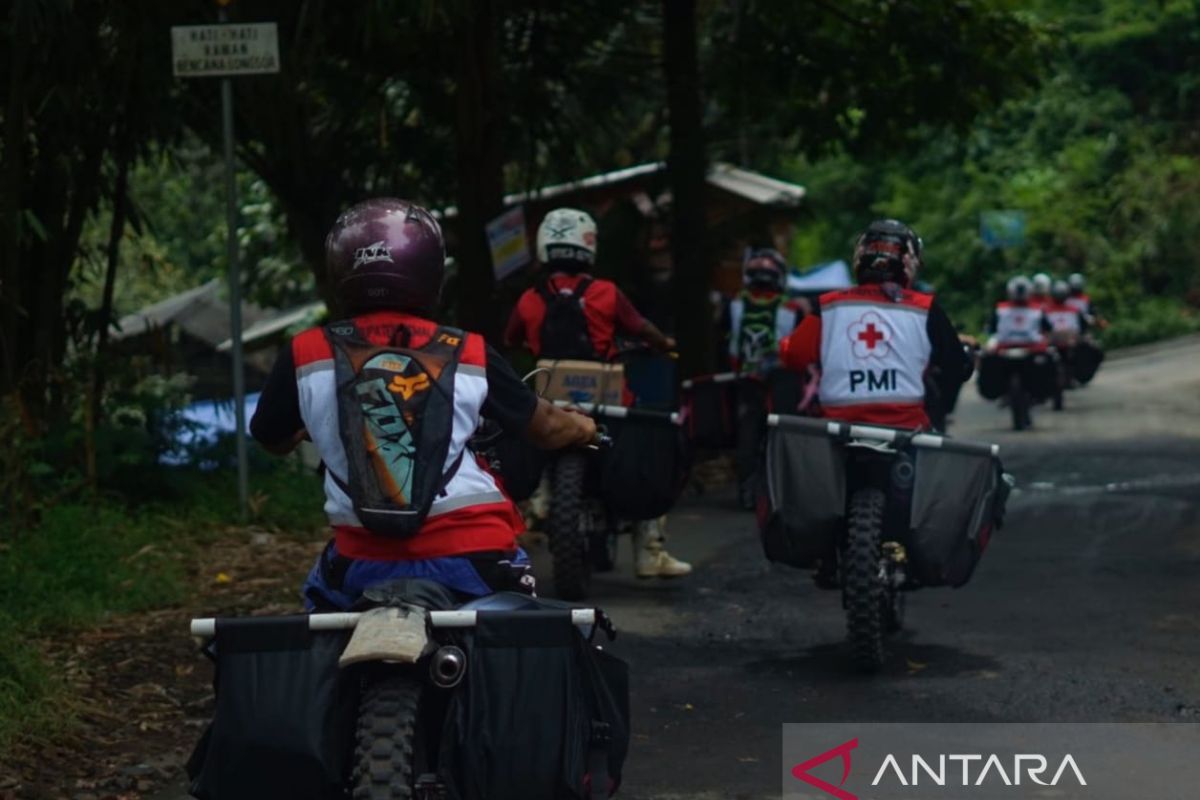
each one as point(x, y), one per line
point(447, 666)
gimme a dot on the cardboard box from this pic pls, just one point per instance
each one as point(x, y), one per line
point(581, 381)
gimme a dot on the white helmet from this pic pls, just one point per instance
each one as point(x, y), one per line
point(567, 234)
point(1018, 288)
point(1042, 283)
point(1060, 290)
point(1077, 282)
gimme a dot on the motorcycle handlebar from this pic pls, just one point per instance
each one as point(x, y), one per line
point(880, 434)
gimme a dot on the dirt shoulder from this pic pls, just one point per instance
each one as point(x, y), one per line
point(140, 690)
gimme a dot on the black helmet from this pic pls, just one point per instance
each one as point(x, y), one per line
point(386, 253)
point(764, 269)
point(887, 252)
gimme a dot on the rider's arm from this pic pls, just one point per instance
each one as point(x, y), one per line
point(803, 347)
point(276, 423)
point(953, 365)
point(517, 410)
point(629, 320)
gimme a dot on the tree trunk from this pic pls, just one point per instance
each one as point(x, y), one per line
point(12, 173)
point(480, 163)
point(686, 172)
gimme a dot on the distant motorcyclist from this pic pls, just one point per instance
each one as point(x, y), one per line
point(759, 318)
point(1018, 321)
point(1081, 301)
point(571, 315)
point(1067, 321)
point(390, 398)
point(874, 343)
point(1039, 294)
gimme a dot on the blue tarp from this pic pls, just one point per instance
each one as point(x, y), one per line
point(826, 277)
point(205, 423)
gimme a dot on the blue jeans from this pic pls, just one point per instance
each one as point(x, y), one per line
point(458, 573)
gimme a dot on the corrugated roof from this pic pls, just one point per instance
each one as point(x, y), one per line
point(276, 323)
point(162, 312)
point(201, 313)
point(753, 186)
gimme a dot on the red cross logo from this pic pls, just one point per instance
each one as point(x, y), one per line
point(871, 336)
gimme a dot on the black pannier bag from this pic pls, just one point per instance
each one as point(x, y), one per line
point(711, 412)
point(958, 499)
point(283, 727)
point(1039, 374)
point(521, 465)
point(993, 378)
point(542, 712)
point(802, 513)
point(644, 472)
point(1085, 360)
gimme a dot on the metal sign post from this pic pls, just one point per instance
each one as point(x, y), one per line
point(226, 50)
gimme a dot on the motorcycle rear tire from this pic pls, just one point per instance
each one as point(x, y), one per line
point(570, 548)
point(384, 749)
point(1018, 402)
point(864, 593)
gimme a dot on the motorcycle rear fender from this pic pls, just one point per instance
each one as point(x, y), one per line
point(396, 634)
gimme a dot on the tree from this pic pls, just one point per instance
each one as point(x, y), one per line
point(686, 171)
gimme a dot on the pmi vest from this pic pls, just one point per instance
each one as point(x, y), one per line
point(873, 350)
point(1081, 303)
point(756, 327)
point(463, 483)
point(1063, 319)
point(1018, 325)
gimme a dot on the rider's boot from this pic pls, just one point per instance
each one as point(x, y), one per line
point(651, 559)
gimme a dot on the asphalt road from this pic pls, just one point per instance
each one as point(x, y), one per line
point(1083, 609)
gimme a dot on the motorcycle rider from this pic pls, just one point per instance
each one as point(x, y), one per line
point(875, 342)
point(1079, 299)
point(1018, 321)
point(570, 314)
point(1066, 320)
point(759, 318)
point(1040, 290)
point(385, 261)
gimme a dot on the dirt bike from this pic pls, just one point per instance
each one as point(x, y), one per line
point(1021, 377)
point(582, 527)
point(427, 695)
point(867, 507)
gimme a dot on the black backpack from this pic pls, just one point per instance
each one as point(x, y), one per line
point(564, 328)
point(396, 418)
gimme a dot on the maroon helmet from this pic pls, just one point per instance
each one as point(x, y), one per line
point(388, 254)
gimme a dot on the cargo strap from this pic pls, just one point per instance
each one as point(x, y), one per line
point(598, 747)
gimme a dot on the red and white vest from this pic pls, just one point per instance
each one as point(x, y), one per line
point(471, 485)
point(1064, 318)
point(1018, 324)
point(874, 351)
point(1081, 303)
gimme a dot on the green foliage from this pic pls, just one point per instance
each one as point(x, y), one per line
point(1107, 176)
point(87, 561)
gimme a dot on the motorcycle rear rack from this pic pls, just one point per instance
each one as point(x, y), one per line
point(845, 431)
point(206, 627)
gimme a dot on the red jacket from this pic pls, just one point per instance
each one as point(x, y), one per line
point(605, 307)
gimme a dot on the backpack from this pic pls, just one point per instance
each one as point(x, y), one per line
point(757, 345)
point(564, 328)
point(396, 417)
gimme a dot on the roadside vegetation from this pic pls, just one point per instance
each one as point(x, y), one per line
point(1103, 158)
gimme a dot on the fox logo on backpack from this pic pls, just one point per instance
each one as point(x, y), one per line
point(393, 403)
point(565, 331)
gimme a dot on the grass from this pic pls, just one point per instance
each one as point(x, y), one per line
point(90, 558)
